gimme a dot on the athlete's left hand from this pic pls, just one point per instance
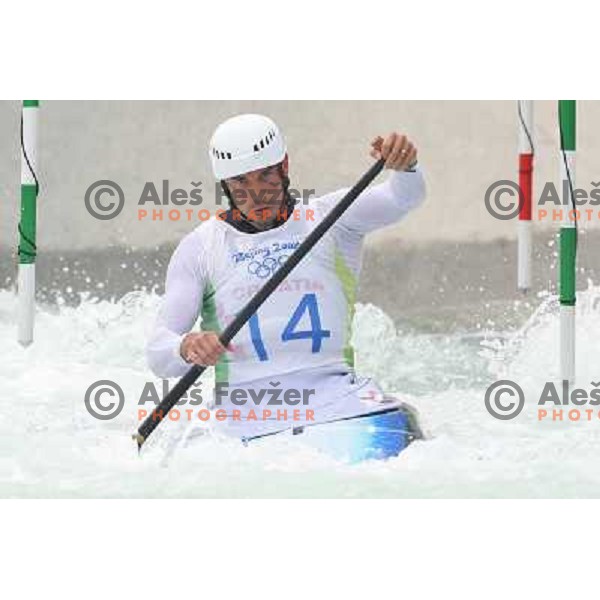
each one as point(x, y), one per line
point(398, 151)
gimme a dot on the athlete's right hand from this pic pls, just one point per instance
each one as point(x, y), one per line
point(202, 348)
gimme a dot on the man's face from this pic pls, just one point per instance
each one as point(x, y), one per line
point(259, 190)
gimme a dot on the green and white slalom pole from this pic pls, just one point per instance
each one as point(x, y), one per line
point(525, 116)
point(568, 239)
point(27, 224)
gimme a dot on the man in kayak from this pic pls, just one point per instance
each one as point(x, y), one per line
point(299, 340)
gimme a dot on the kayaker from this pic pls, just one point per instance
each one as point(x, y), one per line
point(300, 338)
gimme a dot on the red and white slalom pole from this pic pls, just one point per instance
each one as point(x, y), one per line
point(525, 117)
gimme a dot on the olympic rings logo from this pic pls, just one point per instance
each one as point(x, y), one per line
point(267, 267)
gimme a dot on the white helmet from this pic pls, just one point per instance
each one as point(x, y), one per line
point(245, 143)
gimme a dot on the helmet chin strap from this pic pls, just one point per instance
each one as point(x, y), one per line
point(255, 225)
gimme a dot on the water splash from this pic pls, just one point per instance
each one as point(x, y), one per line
point(51, 447)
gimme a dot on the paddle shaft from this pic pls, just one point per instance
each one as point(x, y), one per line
point(168, 402)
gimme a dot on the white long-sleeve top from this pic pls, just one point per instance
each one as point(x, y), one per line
point(302, 331)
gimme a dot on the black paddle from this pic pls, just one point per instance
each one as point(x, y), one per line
point(168, 402)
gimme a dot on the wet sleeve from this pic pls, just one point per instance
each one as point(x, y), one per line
point(179, 310)
point(381, 205)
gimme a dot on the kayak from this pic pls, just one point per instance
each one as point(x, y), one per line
point(375, 436)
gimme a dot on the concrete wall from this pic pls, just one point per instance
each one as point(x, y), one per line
point(450, 255)
point(464, 146)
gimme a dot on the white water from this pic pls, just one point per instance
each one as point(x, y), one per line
point(51, 447)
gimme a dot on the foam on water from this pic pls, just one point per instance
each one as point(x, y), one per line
point(51, 447)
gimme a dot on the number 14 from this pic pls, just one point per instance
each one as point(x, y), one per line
point(315, 333)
